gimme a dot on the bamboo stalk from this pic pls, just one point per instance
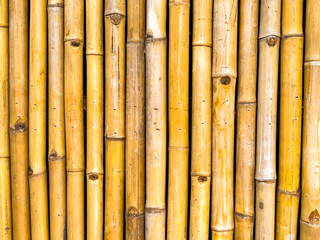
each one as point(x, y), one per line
point(95, 56)
point(135, 121)
point(224, 75)
point(201, 120)
point(115, 16)
point(73, 89)
point(37, 120)
point(288, 191)
point(246, 119)
point(56, 126)
point(18, 120)
point(269, 40)
point(156, 122)
point(5, 198)
point(310, 204)
point(178, 118)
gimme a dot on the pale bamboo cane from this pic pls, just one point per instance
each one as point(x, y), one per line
point(246, 119)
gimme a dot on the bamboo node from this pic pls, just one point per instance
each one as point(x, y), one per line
point(115, 18)
point(30, 171)
point(149, 34)
point(202, 179)
point(75, 43)
point(133, 212)
point(93, 176)
point(225, 80)
point(272, 40)
point(314, 217)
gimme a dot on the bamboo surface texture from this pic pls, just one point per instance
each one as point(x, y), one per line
point(156, 119)
point(18, 118)
point(201, 120)
point(224, 75)
point(269, 41)
point(246, 119)
point(5, 193)
point(310, 184)
point(135, 120)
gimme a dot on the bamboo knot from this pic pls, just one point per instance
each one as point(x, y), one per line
point(133, 212)
point(226, 80)
point(272, 40)
point(93, 176)
point(115, 18)
point(75, 43)
point(30, 171)
point(149, 34)
point(314, 217)
point(202, 179)
point(19, 126)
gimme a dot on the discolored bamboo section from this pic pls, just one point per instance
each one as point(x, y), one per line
point(201, 120)
point(115, 18)
point(74, 125)
point(56, 126)
point(310, 184)
point(95, 105)
point(288, 191)
point(224, 75)
point(269, 41)
point(179, 11)
point(5, 198)
point(135, 120)
point(246, 119)
point(18, 117)
point(156, 120)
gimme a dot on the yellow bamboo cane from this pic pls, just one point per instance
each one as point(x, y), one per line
point(73, 89)
point(310, 184)
point(56, 126)
point(135, 121)
point(5, 198)
point(224, 75)
point(246, 119)
point(156, 120)
point(201, 120)
point(18, 120)
point(115, 16)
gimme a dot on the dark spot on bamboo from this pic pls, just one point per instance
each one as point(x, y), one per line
point(53, 155)
point(20, 126)
point(202, 179)
point(75, 43)
point(115, 18)
point(149, 35)
point(272, 40)
point(132, 212)
point(7, 229)
point(30, 171)
point(225, 80)
point(93, 176)
point(314, 217)
point(261, 205)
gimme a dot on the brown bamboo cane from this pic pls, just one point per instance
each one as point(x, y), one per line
point(73, 89)
point(288, 192)
point(37, 120)
point(178, 119)
point(56, 126)
point(115, 16)
point(246, 119)
point(135, 121)
point(18, 117)
point(310, 184)
point(95, 78)
point(224, 75)
point(201, 120)
point(269, 41)
point(156, 120)
point(5, 198)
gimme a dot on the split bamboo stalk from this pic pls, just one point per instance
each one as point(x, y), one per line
point(95, 105)
point(288, 192)
point(115, 19)
point(246, 119)
point(135, 121)
point(224, 76)
point(37, 120)
point(73, 89)
point(56, 126)
point(201, 120)
point(156, 122)
point(310, 185)
point(269, 41)
point(179, 11)
point(18, 120)
point(5, 198)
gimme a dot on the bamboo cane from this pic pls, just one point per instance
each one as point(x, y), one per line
point(288, 192)
point(224, 75)
point(115, 14)
point(37, 120)
point(5, 199)
point(246, 119)
point(156, 122)
point(73, 89)
point(135, 121)
point(18, 120)
point(178, 119)
point(269, 40)
point(201, 120)
point(94, 52)
point(310, 204)
point(56, 155)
